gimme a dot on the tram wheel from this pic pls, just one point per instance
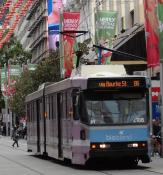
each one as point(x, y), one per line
point(131, 163)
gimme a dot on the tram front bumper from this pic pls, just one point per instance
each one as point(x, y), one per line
point(115, 150)
point(117, 153)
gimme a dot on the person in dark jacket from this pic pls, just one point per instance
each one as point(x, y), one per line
point(15, 138)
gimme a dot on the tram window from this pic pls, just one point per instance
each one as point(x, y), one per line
point(51, 111)
point(113, 108)
point(75, 107)
point(54, 106)
point(47, 105)
point(64, 105)
point(50, 107)
point(30, 116)
point(28, 112)
point(33, 112)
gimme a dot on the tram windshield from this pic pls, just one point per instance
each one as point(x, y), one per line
point(114, 108)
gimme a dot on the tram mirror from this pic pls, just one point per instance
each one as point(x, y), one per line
point(75, 93)
point(77, 100)
point(76, 107)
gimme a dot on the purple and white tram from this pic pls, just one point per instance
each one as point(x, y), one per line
point(82, 119)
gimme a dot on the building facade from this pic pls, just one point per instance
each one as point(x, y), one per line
point(130, 12)
point(33, 29)
point(38, 31)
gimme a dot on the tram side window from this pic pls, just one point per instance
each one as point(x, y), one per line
point(28, 112)
point(30, 115)
point(40, 109)
point(54, 106)
point(32, 112)
point(69, 105)
point(51, 107)
point(47, 106)
point(64, 105)
point(35, 112)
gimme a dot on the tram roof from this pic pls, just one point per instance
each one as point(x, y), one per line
point(76, 82)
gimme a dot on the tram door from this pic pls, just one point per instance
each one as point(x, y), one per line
point(38, 124)
point(59, 119)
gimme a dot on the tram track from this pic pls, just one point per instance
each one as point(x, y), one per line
point(22, 165)
point(103, 172)
point(18, 162)
point(106, 172)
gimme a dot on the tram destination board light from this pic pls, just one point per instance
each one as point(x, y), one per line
point(116, 83)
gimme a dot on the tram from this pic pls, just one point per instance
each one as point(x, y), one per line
point(86, 118)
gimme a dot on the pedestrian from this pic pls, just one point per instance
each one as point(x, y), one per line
point(15, 138)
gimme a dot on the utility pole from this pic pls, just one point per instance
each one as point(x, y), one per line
point(6, 101)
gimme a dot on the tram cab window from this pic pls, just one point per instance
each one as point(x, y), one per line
point(103, 108)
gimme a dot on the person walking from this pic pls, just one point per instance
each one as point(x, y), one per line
point(15, 138)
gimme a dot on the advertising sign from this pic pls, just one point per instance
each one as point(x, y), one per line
point(70, 23)
point(3, 78)
point(14, 71)
point(54, 8)
point(152, 35)
point(105, 22)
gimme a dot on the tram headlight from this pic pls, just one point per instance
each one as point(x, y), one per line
point(100, 145)
point(133, 145)
point(103, 146)
point(136, 145)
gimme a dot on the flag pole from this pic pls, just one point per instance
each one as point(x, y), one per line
point(61, 45)
point(150, 103)
point(161, 104)
point(160, 19)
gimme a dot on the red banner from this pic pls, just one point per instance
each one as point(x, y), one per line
point(152, 35)
point(155, 93)
point(70, 23)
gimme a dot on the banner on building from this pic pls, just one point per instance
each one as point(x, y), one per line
point(105, 22)
point(160, 18)
point(70, 23)
point(3, 79)
point(31, 67)
point(54, 8)
point(14, 71)
point(152, 34)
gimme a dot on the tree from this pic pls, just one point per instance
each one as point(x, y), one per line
point(14, 51)
point(23, 86)
point(46, 71)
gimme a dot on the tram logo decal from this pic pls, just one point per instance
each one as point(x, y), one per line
point(121, 132)
point(120, 136)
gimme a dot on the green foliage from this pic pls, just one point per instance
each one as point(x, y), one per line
point(13, 51)
point(47, 71)
point(23, 87)
point(84, 46)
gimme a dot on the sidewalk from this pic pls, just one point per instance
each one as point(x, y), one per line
point(6, 140)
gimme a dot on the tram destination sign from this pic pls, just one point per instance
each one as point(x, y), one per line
point(116, 83)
